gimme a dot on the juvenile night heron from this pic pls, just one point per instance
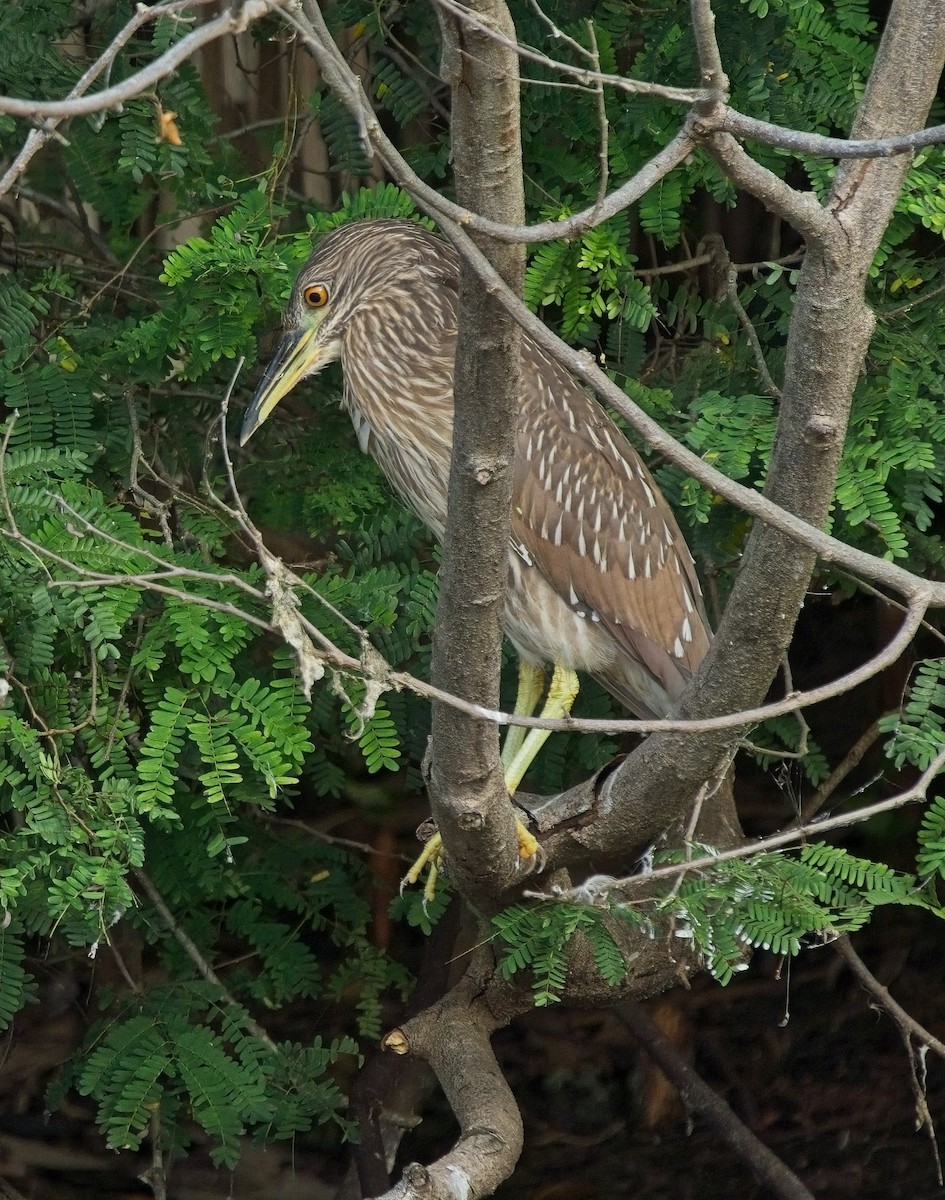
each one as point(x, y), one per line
point(600, 577)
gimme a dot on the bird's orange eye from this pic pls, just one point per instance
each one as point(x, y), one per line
point(315, 295)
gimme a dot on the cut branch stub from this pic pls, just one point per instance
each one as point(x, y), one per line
point(396, 1041)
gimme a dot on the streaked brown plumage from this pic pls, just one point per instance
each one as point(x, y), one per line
point(600, 577)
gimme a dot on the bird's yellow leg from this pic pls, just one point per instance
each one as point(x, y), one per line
point(531, 684)
point(516, 759)
point(561, 695)
point(428, 860)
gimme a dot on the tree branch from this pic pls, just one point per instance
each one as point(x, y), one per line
point(346, 85)
point(580, 364)
point(850, 762)
point(38, 138)
point(467, 788)
point(455, 220)
point(710, 59)
point(908, 1026)
point(453, 1036)
point(800, 209)
point(819, 146)
point(828, 338)
point(234, 20)
point(701, 1100)
point(599, 887)
point(470, 18)
point(370, 665)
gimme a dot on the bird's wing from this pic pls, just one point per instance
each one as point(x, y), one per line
point(592, 519)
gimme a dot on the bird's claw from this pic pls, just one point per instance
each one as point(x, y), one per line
point(528, 846)
point(531, 857)
point(533, 863)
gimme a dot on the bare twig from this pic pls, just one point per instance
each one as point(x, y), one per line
point(560, 36)
point(130, 982)
point(86, 720)
point(603, 153)
point(819, 146)
point(785, 755)
point(331, 839)
point(122, 698)
point(731, 288)
point(275, 569)
point(233, 20)
point(585, 75)
point(908, 1025)
point(157, 508)
point(156, 1174)
point(909, 1029)
point(203, 967)
point(802, 209)
point(39, 137)
point(850, 761)
point(918, 1077)
point(335, 657)
point(343, 80)
point(710, 58)
point(703, 260)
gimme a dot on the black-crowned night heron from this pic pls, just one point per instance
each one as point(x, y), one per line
point(600, 577)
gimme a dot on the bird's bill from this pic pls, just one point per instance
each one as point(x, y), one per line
point(296, 356)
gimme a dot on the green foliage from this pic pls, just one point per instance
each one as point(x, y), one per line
point(400, 94)
point(589, 281)
point(775, 902)
point(16, 986)
point(918, 731)
point(660, 210)
point(536, 939)
point(374, 731)
point(216, 282)
point(930, 860)
point(781, 902)
point(145, 729)
point(149, 728)
point(154, 1058)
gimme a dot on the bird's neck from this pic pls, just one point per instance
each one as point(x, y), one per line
point(405, 425)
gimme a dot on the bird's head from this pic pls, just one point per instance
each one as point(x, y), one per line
point(375, 269)
point(312, 339)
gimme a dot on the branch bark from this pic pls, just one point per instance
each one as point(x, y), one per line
point(467, 788)
point(466, 783)
point(454, 1038)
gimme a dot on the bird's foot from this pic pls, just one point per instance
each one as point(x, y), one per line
point(430, 860)
point(530, 852)
point(530, 856)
